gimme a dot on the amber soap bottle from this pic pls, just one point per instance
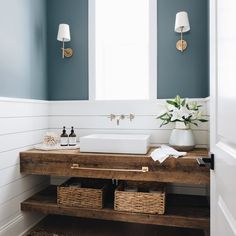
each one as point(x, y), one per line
point(72, 137)
point(64, 137)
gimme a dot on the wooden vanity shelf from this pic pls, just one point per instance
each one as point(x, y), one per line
point(181, 210)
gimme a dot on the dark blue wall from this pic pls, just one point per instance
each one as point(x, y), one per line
point(68, 78)
point(184, 73)
point(23, 49)
point(28, 42)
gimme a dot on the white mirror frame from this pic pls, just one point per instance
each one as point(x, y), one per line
point(152, 50)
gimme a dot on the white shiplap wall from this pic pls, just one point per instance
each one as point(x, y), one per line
point(91, 117)
point(22, 125)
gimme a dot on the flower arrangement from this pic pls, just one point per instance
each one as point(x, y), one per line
point(180, 110)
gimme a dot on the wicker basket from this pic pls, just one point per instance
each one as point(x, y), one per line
point(91, 193)
point(150, 198)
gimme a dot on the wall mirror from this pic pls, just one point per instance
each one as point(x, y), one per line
point(122, 49)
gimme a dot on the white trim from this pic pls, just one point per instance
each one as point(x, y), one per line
point(213, 73)
point(22, 100)
point(227, 148)
point(91, 57)
point(33, 225)
point(227, 214)
point(157, 101)
point(18, 220)
point(152, 52)
point(11, 224)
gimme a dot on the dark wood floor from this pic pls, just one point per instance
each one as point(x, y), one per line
point(72, 226)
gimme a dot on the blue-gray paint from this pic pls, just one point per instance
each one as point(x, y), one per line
point(23, 49)
point(184, 73)
point(68, 78)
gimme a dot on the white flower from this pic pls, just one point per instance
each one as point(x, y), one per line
point(180, 114)
point(185, 112)
point(196, 115)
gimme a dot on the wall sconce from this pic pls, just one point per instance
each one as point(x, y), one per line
point(181, 26)
point(64, 36)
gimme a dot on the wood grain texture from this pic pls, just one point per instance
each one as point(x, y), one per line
point(182, 211)
point(58, 163)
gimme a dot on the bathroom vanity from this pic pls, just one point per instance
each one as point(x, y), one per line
point(181, 210)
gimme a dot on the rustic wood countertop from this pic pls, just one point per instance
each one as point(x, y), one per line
point(117, 166)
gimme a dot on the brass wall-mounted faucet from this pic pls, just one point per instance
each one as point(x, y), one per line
point(120, 117)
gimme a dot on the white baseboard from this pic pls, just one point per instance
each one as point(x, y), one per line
point(20, 224)
point(35, 222)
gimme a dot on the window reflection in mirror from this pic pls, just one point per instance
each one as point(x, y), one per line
point(122, 49)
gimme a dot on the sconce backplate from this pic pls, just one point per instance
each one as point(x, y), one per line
point(181, 45)
point(68, 52)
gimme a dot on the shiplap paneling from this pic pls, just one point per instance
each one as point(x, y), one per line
point(10, 174)
point(11, 158)
point(92, 117)
point(158, 136)
point(12, 125)
point(19, 186)
point(20, 224)
point(22, 125)
point(90, 108)
point(103, 122)
point(12, 207)
point(18, 140)
point(11, 108)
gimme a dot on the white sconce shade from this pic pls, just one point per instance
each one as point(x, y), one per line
point(181, 26)
point(182, 22)
point(63, 36)
point(63, 33)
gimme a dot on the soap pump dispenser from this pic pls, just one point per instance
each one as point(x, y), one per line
point(64, 137)
point(72, 137)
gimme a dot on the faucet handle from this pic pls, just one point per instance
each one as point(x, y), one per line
point(112, 116)
point(131, 116)
point(122, 117)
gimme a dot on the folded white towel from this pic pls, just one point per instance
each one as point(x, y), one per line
point(162, 153)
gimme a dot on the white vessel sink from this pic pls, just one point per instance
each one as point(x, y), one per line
point(115, 143)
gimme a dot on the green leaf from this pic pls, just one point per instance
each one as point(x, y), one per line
point(173, 103)
point(164, 123)
point(159, 117)
point(177, 98)
point(176, 120)
point(183, 102)
point(163, 118)
point(203, 120)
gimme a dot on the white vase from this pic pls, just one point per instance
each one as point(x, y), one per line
point(182, 137)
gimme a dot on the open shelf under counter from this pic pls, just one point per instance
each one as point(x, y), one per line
point(181, 210)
